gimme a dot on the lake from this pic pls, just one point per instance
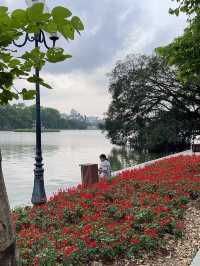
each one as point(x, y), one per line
point(63, 152)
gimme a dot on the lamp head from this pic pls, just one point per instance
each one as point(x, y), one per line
point(54, 37)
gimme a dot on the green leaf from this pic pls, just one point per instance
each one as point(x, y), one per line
point(19, 18)
point(67, 30)
point(35, 12)
point(171, 11)
point(55, 55)
point(4, 19)
point(176, 12)
point(45, 85)
point(59, 13)
point(35, 79)
point(45, 17)
point(50, 27)
point(6, 57)
point(28, 94)
point(13, 63)
point(7, 96)
point(6, 79)
point(159, 51)
point(3, 9)
point(35, 57)
point(32, 28)
point(77, 23)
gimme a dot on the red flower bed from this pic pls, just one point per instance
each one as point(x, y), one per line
point(123, 217)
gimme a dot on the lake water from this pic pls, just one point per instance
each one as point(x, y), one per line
point(63, 152)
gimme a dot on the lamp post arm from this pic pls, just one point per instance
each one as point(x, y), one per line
point(42, 39)
point(26, 39)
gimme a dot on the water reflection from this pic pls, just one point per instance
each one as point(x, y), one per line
point(124, 157)
point(63, 152)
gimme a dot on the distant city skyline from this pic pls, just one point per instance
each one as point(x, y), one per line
point(113, 29)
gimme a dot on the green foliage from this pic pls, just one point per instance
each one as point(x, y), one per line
point(60, 13)
point(184, 53)
point(31, 20)
point(150, 109)
point(144, 216)
point(56, 55)
point(28, 94)
point(186, 6)
point(22, 117)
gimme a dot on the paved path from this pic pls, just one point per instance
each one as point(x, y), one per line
point(196, 260)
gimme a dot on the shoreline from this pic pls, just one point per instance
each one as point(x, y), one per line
point(142, 165)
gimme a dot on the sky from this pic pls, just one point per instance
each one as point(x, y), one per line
point(113, 29)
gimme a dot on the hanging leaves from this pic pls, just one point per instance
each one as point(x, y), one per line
point(59, 14)
point(32, 20)
point(57, 55)
point(19, 18)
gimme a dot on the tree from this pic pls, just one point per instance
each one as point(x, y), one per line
point(7, 238)
point(184, 53)
point(186, 6)
point(147, 102)
point(13, 66)
point(20, 116)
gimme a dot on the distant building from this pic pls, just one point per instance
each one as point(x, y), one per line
point(74, 115)
point(92, 119)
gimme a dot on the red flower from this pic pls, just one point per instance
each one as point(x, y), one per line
point(135, 241)
point(128, 218)
point(65, 230)
point(86, 196)
point(30, 243)
point(165, 221)
point(92, 244)
point(36, 261)
point(69, 250)
point(152, 232)
point(86, 229)
point(84, 205)
point(179, 225)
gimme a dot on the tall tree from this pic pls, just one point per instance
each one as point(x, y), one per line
point(148, 100)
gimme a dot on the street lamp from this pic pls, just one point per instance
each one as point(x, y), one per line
point(38, 195)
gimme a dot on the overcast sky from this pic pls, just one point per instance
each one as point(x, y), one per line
point(113, 29)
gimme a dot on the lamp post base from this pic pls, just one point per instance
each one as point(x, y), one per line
point(38, 195)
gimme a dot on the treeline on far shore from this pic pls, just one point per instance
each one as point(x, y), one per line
point(21, 116)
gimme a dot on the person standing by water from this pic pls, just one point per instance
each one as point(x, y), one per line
point(104, 168)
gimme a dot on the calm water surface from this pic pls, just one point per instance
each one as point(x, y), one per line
point(63, 152)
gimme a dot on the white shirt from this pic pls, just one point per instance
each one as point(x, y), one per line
point(105, 169)
point(197, 140)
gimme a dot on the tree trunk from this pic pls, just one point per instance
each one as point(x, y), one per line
point(7, 236)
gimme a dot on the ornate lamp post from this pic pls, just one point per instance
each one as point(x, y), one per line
point(38, 195)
